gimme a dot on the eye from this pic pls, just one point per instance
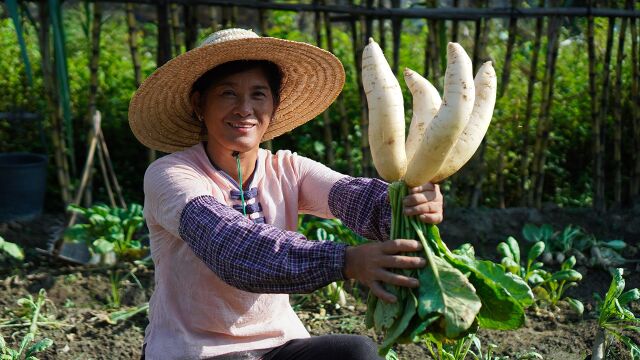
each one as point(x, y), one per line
point(228, 92)
point(259, 94)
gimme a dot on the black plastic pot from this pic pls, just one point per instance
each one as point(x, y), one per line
point(22, 186)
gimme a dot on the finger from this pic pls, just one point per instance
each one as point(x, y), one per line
point(381, 293)
point(420, 198)
point(393, 247)
point(403, 262)
point(399, 280)
point(428, 208)
point(426, 187)
point(435, 218)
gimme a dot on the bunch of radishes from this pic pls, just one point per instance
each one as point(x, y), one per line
point(443, 135)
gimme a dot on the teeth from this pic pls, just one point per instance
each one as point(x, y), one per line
point(243, 126)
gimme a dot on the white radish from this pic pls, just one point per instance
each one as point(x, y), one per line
point(448, 124)
point(386, 114)
point(468, 142)
point(426, 102)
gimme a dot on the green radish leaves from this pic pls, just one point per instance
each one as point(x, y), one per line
point(457, 292)
point(446, 291)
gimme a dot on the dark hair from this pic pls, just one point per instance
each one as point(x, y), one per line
point(215, 75)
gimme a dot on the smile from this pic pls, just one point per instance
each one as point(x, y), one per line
point(241, 125)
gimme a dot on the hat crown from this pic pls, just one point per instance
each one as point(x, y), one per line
point(227, 35)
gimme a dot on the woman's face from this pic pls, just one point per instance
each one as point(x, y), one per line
point(237, 111)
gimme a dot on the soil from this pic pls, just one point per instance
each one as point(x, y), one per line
point(79, 297)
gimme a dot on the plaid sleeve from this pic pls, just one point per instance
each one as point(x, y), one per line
point(257, 257)
point(362, 205)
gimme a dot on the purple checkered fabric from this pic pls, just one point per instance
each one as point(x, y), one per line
point(361, 204)
point(257, 257)
point(262, 258)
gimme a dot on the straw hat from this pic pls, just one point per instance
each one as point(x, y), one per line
point(160, 112)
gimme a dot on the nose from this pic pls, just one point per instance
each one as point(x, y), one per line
point(244, 108)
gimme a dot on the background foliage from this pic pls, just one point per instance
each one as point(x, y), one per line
point(569, 158)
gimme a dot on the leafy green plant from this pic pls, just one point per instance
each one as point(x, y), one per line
point(548, 287)
point(551, 290)
point(464, 347)
point(457, 292)
point(331, 230)
point(118, 281)
point(24, 352)
point(573, 240)
point(615, 317)
point(32, 313)
point(532, 270)
point(109, 229)
point(603, 253)
point(11, 250)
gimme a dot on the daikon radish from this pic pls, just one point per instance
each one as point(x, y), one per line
point(426, 102)
point(449, 122)
point(386, 114)
point(468, 142)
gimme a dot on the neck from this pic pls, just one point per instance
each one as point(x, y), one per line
point(226, 161)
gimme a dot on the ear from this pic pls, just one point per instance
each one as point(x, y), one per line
point(195, 104)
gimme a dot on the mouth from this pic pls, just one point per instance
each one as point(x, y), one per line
point(241, 125)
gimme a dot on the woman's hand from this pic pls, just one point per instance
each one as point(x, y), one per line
point(426, 202)
point(370, 263)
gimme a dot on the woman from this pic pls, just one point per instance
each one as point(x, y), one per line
point(227, 255)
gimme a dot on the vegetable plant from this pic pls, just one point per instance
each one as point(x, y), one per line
point(109, 229)
point(24, 352)
point(10, 250)
point(551, 290)
point(548, 287)
point(615, 318)
point(30, 315)
point(457, 292)
point(573, 240)
point(332, 230)
point(532, 270)
point(464, 347)
point(118, 281)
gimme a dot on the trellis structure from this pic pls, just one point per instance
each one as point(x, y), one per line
point(360, 20)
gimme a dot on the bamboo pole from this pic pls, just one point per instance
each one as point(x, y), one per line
point(480, 40)
point(617, 112)
point(190, 26)
point(326, 119)
point(345, 122)
point(545, 111)
point(57, 139)
point(382, 34)
point(595, 119)
point(396, 29)
point(635, 107)
point(133, 44)
point(357, 40)
point(455, 25)
point(599, 198)
point(175, 28)
point(94, 63)
point(511, 40)
point(524, 186)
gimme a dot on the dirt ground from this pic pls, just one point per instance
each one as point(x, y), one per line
point(79, 296)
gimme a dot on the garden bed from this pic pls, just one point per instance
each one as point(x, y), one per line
point(81, 301)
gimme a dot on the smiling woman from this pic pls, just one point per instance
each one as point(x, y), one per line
point(225, 247)
point(235, 102)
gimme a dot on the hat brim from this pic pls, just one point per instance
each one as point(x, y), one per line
point(160, 112)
